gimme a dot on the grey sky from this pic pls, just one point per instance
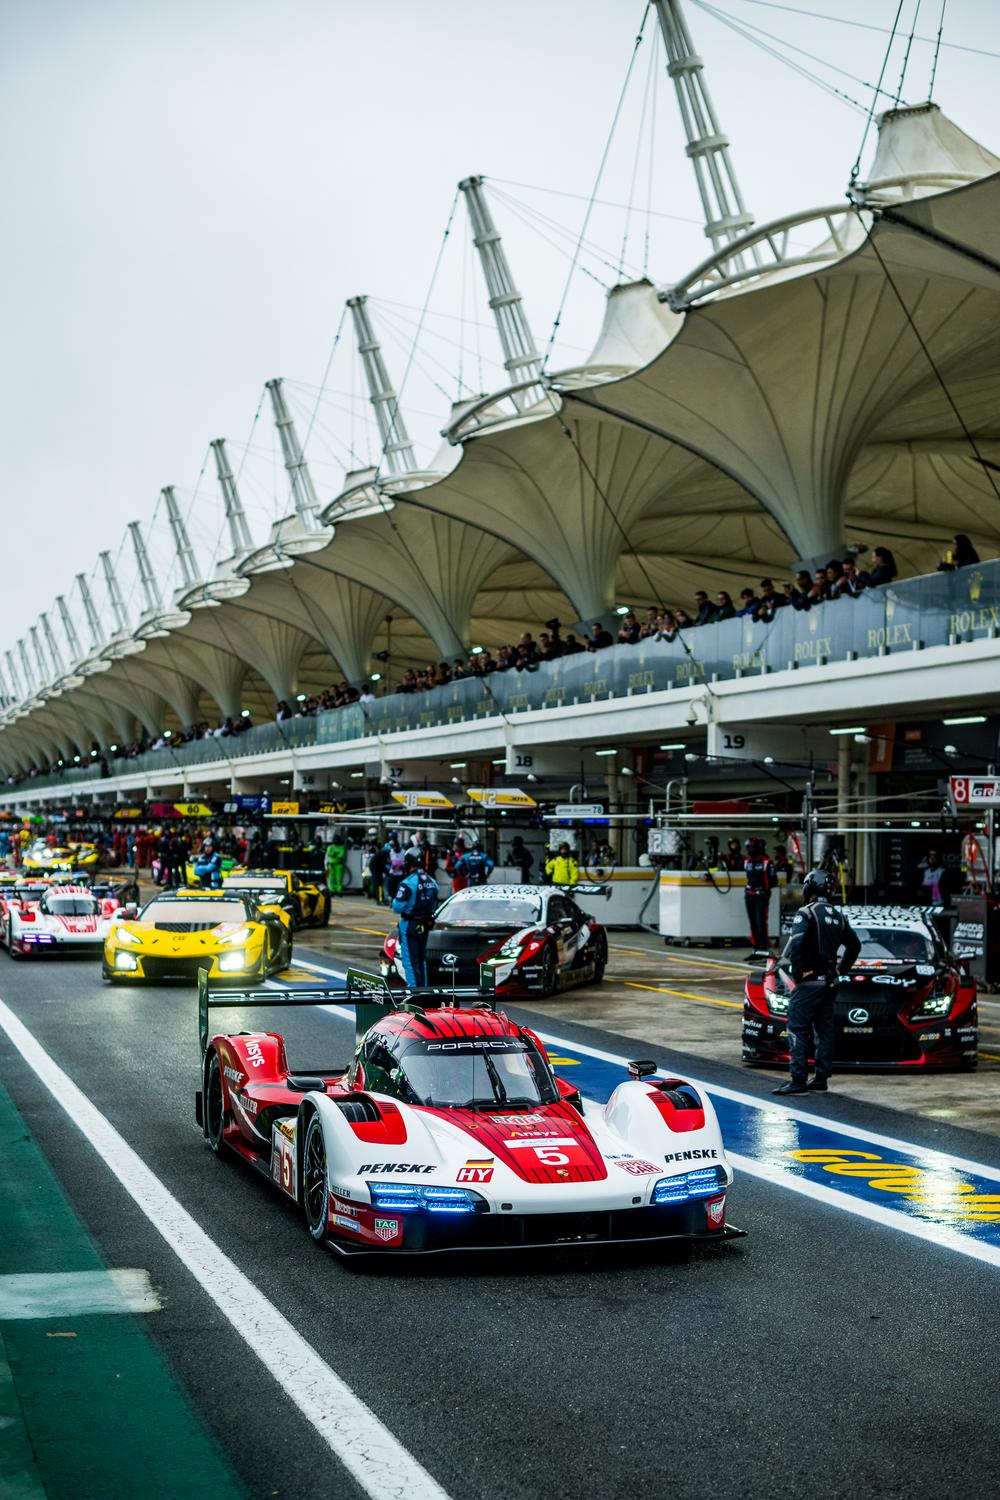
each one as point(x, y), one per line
point(193, 187)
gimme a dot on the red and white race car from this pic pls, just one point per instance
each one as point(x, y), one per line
point(44, 918)
point(450, 1131)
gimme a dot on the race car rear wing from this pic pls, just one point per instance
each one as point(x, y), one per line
point(368, 993)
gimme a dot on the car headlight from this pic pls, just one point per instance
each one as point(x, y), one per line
point(239, 936)
point(701, 1183)
point(122, 935)
point(231, 962)
point(401, 1196)
point(126, 961)
point(777, 1004)
point(937, 1004)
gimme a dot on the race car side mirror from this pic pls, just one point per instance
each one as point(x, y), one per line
point(641, 1068)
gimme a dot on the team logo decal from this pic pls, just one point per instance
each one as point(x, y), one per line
point(858, 1016)
point(450, 960)
point(386, 1229)
point(478, 1170)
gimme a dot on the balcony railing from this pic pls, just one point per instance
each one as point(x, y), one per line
point(939, 609)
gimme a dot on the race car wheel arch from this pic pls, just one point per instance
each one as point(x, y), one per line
point(215, 1104)
point(314, 1176)
point(14, 952)
point(600, 957)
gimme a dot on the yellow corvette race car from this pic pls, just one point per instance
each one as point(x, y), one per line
point(307, 901)
point(228, 933)
point(69, 858)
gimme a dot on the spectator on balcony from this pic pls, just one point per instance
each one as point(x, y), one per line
point(548, 648)
point(849, 584)
point(599, 638)
point(797, 593)
point(651, 624)
point(770, 599)
point(820, 589)
point(834, 571)
point(883, 569)
point(408, 684)
point(506, 658)
point(749, 603)
point(282, 711)
point(629, 630)
point(961, 554)
point(703, 608)
point(666, 623)
point(724, 608)
point(526, 647)
point(682, 620)
point(571, 646)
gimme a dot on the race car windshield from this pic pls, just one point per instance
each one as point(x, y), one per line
point(70, 906)
point(195, 913)
point(480, 1073)
point(894, 945)
point(486, 912)
point(253, 883)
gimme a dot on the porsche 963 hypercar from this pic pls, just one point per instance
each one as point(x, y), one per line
point(449, 1130)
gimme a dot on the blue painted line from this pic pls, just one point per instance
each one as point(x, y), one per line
point(945, 1199)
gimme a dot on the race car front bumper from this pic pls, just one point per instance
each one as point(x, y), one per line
point(429, 1234)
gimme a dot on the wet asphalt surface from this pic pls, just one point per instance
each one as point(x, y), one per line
point(824, 1355)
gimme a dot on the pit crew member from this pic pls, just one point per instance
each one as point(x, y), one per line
point(813, 958)
point(416, 901)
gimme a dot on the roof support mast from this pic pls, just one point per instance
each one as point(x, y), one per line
point(521, 359)
point(44, 672)
point(93, 622)
point(50, 641)
point(239, 531)
point(69, 629)
point(14, 678)
point(150, 587)
point(303, 491)
point(182, 542)
point(26, 666)
point(396, 445)
point(726, 214)
point(114, 594)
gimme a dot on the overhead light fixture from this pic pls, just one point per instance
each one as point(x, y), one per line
point(356, 774)
point(376, 677)
point(335, 784)
point(76, 760)
point(300, 697)
point(457, 780)
point(244, 713)
point(476, 651)
point(967, 719)
point(457, 765)
point(951, 749)
point(111, 748)
point(623, 609)
point(531, 776)
point(626, 771)
point(501, 762)
point(167, 734)
point(851, 729)
point(605, 752)
point(285, 781)
point(93, 752)
point(673, 747)
point(862, 739)
point(769, 760)
point(690, 756)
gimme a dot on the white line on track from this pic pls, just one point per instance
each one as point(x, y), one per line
point(936, 1234)
point(376, 1459)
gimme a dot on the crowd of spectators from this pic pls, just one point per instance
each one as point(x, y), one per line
point(838, 579)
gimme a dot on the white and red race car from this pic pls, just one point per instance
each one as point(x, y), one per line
point(56, 918)
point(451, 1131)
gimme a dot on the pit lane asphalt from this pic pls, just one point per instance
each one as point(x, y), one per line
point(822, 1355)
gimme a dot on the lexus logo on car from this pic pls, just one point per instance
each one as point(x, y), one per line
point(857, 1017)
point(450, 960)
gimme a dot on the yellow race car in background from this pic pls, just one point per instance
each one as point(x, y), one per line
point(177, 933)
point(306, 900)
point(68, 858)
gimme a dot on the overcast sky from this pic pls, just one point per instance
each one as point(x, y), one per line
point(191, 189)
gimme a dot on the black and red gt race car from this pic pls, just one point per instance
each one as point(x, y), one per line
point(906, 1003)
point(509, 940)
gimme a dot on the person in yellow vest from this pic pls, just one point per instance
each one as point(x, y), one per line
point(561, 868)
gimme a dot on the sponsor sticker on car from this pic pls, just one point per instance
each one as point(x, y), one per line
point(480, 1170)
point(386, 1229)
point(639, 1168)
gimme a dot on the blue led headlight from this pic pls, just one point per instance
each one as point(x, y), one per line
point(702, 1183)
point(400, 1197)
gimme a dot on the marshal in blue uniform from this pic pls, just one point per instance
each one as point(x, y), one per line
point(415, 901)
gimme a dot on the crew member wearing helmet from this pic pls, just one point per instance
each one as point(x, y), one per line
point(761, 881)
point(208, 865)
point(822, 945)
point(415, 901)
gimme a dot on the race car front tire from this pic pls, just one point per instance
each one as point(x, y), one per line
point(315, 1179)
point(215, 1106)
point(600, 960)
point(14, 952)
point(550, 971)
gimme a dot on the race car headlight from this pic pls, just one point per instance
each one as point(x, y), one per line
point(399, 1197)
point(701, 1183)
point(936, 1005)
point(777, 1004)
point(126, 961)
point(122, 935)
point(231, 962)
point(239, 936)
